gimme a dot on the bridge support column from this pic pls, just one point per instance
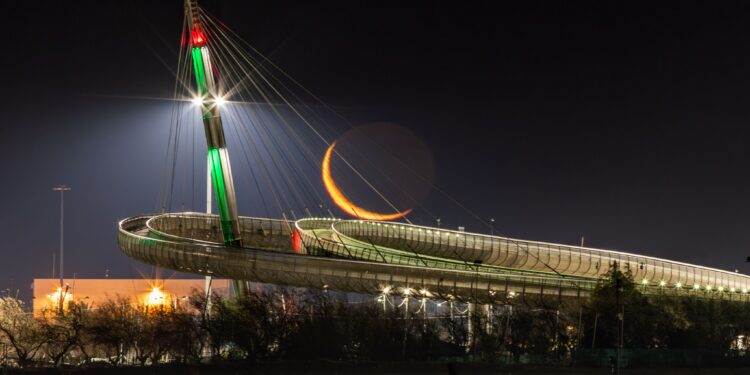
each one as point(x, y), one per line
point(470, 337)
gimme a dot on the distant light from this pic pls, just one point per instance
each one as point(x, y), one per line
point(721, 288)
point(662, 283)
point(407, 291)
point(220, 101)
point(744, 290)
point(696, 286)
point(644, 281)
point(198, 100)
point(156, 297)
point(708, 287)
point(386, 290)
point(678, 285)
point(732, 290)
point(57, 295)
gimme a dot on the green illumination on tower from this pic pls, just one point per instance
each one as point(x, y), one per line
point(217, 173)
point(200, 74)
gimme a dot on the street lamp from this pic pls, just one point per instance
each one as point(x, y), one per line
point(62, 189)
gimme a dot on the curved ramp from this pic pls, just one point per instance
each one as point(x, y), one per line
point(373, 257)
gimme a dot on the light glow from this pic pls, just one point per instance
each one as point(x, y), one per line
point(197, 37)
point(220, 101)
point(54, 298)
point(156, 297)
point(198, 100)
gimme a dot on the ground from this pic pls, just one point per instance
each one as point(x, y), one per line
point(314, 368)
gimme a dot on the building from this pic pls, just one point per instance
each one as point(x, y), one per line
point(93, 292)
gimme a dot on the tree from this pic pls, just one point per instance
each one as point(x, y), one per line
point(648, 322)
point(20, 329)
point(112, 329)
point(62, 332)
point(259, 324)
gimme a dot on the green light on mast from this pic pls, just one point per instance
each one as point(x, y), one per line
point(218, 157)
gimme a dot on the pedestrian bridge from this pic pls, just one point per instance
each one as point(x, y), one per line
point(376, 257)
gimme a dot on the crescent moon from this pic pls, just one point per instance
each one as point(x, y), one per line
point(343, 203)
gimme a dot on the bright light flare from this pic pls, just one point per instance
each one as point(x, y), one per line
point(156, 297)
point(198, 100)
point(54, 298)
point(220, 101)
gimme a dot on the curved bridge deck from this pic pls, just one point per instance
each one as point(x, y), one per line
point(369, 257)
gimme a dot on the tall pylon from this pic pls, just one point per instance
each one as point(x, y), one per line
point(210, 99)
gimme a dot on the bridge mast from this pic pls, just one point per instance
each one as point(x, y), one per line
point(210, 99)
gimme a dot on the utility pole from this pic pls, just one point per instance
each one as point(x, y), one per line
point(62, 189)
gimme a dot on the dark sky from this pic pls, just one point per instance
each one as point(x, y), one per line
point(623, 122)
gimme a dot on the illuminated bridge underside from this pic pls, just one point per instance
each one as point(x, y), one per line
point(366, 257)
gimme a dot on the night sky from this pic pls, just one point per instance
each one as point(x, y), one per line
point(626, 123)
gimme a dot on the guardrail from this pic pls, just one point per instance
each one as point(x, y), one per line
point(650, 272)
point(353, 256)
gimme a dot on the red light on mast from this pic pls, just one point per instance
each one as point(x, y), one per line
point(197, 37)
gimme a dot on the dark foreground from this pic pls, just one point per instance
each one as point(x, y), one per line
point(315, 368)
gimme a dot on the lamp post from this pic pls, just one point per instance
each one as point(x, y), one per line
point(62, 189)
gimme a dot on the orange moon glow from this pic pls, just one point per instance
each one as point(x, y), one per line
point(340, 200)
